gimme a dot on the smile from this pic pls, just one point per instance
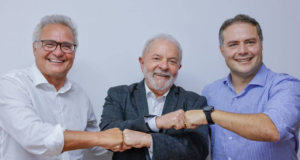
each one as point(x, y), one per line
point(162, 75)
point(243, 60)
point(56, 61)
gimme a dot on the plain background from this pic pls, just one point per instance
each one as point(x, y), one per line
point(112, 35)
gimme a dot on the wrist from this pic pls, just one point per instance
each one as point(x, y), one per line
point(158, 122)
point(99, 139)
point(147, 140)
point(207, 111)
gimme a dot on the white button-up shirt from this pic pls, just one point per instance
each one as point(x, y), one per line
point(33, 117)
point(155, 107)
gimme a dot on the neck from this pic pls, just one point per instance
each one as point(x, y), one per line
point(58, 83)
point(239, 82)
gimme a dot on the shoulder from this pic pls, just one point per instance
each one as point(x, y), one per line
point(282, 81)
point(213, 87)
point(16, 74)
point(122, 89)
point(17, 77)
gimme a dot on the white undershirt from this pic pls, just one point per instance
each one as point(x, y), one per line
point(155, 107)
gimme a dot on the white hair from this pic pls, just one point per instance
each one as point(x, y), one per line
point(168, 37)
point(55, 19)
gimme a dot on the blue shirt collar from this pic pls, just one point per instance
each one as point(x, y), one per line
point(259, 79)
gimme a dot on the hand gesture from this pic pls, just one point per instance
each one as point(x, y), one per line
point(111, 139)
point(136, 139)
point(174, 119)
point(194, 118)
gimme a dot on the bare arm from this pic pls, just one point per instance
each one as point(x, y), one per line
point(109, 139)
point(258, 127)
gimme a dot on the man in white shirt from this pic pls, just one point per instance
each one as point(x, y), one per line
point(148, 110)
point(43, 114)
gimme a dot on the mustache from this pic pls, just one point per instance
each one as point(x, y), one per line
point(163, 73)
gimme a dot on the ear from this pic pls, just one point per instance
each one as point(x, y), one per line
point(141, 63)
point(222, 51)
point(34, 49)
point(180, 66)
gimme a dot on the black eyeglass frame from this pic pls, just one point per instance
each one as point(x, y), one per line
point(58, 43)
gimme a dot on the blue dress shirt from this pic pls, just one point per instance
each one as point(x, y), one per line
point(277, 96)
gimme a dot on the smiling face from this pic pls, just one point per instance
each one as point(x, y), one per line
point(242, 50)
point(54, 64)
point(160, 65)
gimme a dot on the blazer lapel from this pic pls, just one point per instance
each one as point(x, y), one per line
point(140, 99)
point(171, 102)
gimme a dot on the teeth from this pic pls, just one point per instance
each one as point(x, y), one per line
point(162, 75)
point(52, 60)
point(243, 60)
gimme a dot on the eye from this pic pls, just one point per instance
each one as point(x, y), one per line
point(251, 42)
point(173, 61)
point(155, 58)
point(66, 46)
point(49, 44)
point(232, 45)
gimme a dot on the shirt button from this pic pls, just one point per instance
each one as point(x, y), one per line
point(230, 138)
point(229, 158)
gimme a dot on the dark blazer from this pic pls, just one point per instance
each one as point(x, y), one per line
point(126, 107)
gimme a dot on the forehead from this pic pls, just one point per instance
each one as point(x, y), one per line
point(57, 32)
point(240, 31)
point(164, 48)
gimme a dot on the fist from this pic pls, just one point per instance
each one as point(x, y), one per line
point(194, 118)
point(111, 139)
point(136, 139)
point(174, 119)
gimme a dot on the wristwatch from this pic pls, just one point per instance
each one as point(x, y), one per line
point(207, 110)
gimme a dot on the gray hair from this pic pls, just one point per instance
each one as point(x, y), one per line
point(55, 19)
point(240, 18)
point(167, 37)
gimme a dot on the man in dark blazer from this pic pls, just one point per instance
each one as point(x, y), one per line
point(151, 113)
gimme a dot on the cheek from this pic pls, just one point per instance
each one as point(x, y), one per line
point(150, 67)
point(174, 70)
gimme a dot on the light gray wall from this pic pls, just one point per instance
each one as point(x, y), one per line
point(112, 35)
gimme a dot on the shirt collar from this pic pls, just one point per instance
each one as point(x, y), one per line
point(39, 79)
point(259, 79)
point(149, 92)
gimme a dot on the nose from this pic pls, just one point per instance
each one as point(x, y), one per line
point(58, 52)
point(242, 49)
point(163, 65)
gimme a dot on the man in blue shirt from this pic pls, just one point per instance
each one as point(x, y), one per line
point(256, 111)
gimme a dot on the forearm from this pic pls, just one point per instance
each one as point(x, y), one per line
point(79, 140)
point(258, 127)
point(137, 124)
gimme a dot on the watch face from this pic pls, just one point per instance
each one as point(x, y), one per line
point(208, 108)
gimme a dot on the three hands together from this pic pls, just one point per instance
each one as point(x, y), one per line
point(118, 141)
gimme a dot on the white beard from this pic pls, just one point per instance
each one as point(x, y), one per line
point(161, 84)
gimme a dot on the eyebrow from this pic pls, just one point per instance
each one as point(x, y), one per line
point(249, 39)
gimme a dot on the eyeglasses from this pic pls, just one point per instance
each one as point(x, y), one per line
point(50, 45)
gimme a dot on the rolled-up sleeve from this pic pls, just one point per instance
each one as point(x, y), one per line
point(19, 119)
point(283, 108)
